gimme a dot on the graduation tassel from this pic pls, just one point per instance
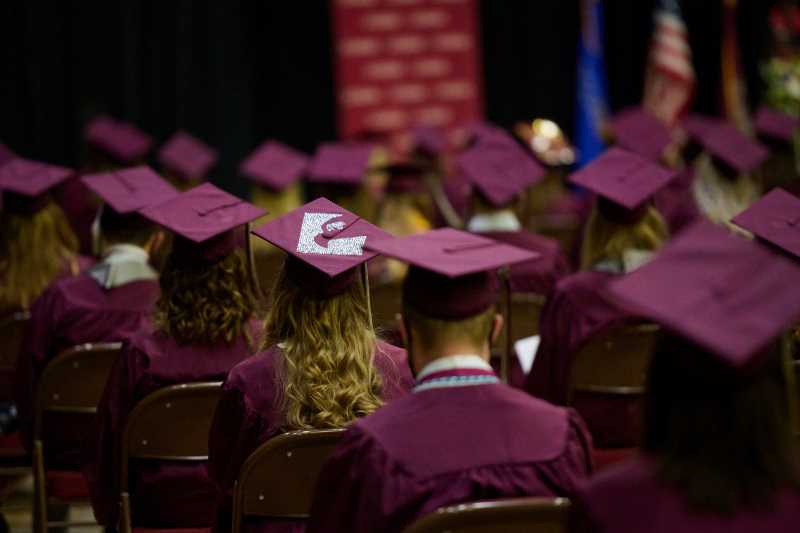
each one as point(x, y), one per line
point(791, 378)
point(365, 278)
point(251, 262)
point(505, 361)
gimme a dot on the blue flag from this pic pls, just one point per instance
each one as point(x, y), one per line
point(592, 93)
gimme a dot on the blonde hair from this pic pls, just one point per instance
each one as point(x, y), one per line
point(606, 240)
point(34, 249)
point(328, 348)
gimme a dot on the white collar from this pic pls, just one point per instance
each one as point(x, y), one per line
point(452, 362)
point(121, 264)
point(503, 220)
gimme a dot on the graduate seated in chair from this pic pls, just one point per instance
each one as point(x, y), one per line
point(106, 303)
point(624, 231)
point(719, 450)
point(322, 366)
point(203, 324)
point(36, 242)
point(461, 435)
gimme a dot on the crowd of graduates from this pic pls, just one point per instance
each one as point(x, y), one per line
point(690, 230)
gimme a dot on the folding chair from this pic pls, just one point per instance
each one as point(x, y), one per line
point(513, 515)
point(71, 384)
point(170, 424)
point(612, 367)
point(278, 479)
point(526, 307)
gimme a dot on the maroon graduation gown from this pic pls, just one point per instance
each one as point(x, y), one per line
point(628, 498)
point(250, 413)
point(444, 446)
point(676, 202)
point(162, 494)
point(540, 275)
point(574, 313)
point(73, 311)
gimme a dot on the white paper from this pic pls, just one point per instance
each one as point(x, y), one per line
point(526, 352)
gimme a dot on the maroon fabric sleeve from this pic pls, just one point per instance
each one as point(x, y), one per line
point(101, 449)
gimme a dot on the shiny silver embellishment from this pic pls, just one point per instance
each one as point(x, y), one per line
point(313, 224)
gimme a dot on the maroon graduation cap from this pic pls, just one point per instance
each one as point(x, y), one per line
point(487, 133)
point(732, 147)
point(775, 218)
point(275, 165)
point(340, 163)
point(187, 156)
point(203, 220)
point(639, 131)
point(25, 183)
point(624, 178)
point(325, 243)
point(451, 274)
point(6, 154)
point(428, 140)
point(499, 172)
point(775, 126)
point(726, 293)
point(122, 140)
point(131, 189)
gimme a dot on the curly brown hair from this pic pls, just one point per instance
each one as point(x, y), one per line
point(205, 303)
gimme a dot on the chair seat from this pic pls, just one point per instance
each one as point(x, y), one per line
point(67, 485)
point(605, 457)
point(181, 530)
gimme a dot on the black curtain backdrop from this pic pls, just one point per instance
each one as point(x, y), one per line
point(235, 72)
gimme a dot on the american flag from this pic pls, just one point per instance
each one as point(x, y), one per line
point(669, 80)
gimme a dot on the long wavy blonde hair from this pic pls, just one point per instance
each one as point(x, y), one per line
point(328, 348)
point(34, 250)
point(607, 240)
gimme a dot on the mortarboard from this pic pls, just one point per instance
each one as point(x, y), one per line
point(487, 133)
point(6, 154)
point(187, 156)
point(324, 243)
point(639, 131)
point(624, 178)
point(499, 173)
point(730, 146)
point(775, 218)
point(450, 276)
point(25, 183)
point(121, 140)
point(203, 219)
point(776, 126)
point(131, 189)
point(728, 294)
point(428, 140)
point(274, 165)
point(340, 163)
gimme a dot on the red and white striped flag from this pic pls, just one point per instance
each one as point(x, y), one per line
point(669, 79)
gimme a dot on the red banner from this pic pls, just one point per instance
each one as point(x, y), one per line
point(403, 63)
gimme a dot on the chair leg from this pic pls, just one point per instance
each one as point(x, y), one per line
point(39, 490)
point(125, 524)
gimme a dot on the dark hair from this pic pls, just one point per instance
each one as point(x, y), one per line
point(131, 228)
point(205, 303)
point(722, 437)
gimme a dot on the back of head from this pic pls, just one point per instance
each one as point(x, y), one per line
point(722, 437)
point(328, 351)
point(205, 302)
point(608, 238)
point(129, 228)
point(34, 249)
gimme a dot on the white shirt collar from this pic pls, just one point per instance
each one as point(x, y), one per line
point(121, 264)
point(452, 362)
point(503, 220)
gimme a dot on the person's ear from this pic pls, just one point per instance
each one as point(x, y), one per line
point(401, 328)
point(155, 242)
point(497, 327)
